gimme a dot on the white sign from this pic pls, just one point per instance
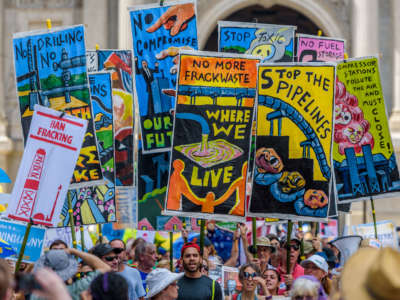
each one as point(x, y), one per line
point(64, 234)
point(387, 234)
point(45, 172)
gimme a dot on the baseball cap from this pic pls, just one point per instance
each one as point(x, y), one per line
point(317, 260)
point(103, 249)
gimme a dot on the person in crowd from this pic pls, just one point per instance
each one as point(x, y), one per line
point(162, 285)
point(65, 265)
point(308, 248)
point(146, 256)
point(317, 266)
point(119, 246)
point(271, 278)
point(164, 264)
point(249, 276)
point(58, 245)
point(193, 285)
point(51, 286)
point(274, 240)
point(131, 252)
point(107, 286)
point(6, 290)
point(331, 259)
point(205, 266)
point(240, 233)
point(163, 254)
point(307, 287)
point(296, 270)
point(264, 251)
point(114, 258)
point(275, 258)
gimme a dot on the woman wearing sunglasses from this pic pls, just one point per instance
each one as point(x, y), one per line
point(250, 280)
point(162, 284)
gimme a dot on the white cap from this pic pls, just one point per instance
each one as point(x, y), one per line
point(159, 279)
point(317, 260)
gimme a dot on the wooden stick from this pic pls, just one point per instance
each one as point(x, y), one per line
point(24, 241)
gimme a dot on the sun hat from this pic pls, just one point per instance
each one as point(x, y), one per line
point(159, 279)
point(59, 261)
point(317, 260)
point(371, 274)
point(263, 241)
point(307, 247)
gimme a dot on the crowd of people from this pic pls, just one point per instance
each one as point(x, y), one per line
point(138, 270)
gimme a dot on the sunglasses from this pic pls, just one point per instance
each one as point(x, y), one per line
point(294, 247)
point(110, 258)
point(247, 275)
point(118, 250)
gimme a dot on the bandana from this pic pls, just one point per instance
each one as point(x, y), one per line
point(189, 245)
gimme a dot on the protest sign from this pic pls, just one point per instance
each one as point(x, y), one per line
point(212, 130)
point(159, 32)
point(92, 63)
point(273, 43)
point(363, 154)
point(311, 48)
point(119, 63)
point(93, 205)
point(50, 68)
point(293, 161)
point(387, 234)
point(13, 233)
point(126, 205)
point(230, 281)
point(51, 152)
point(65, 235)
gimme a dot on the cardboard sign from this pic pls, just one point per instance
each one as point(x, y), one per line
point(273, 43)
point(50, 68)
point(93, 205)
point(13, 233)
point(363, 154)
point(126, 204)
point(51, 152)
point(292, 173)
point(159, 32)
point(212, 130)
point(65, 235)
point(311, 48)
point(387, 233)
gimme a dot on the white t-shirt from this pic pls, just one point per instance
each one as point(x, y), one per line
point(134, 280)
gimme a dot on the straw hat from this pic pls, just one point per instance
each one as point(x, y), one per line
point(159, 279)
point(372, 274)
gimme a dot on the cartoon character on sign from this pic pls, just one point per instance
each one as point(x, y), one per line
point(288, 186)
point(351, 129)
point(270, 45)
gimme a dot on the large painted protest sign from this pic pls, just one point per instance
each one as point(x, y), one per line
point(387, 234)
point(13, 233)
point(213, 122)
point(93, 205)
point(274, 43)
point(292, 173)
point(119, 63)
point(363, 154)
point(159, 32)
point(311, 48)
point(51, 152)
point(50, 68)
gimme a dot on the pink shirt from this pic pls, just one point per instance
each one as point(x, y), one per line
point(297, 272)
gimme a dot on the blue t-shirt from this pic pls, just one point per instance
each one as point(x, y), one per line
point(143, 275)
point(132, 276)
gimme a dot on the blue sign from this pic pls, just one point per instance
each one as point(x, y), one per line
point(158, 34)
point(13, 233)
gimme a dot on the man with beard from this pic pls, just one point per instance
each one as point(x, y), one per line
point(193, 285)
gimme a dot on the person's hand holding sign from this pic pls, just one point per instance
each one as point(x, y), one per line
point(175, 19)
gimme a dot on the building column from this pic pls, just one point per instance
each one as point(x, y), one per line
point(395, 117)
point(95, 17)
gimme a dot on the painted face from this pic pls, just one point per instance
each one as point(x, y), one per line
point(291, 182)
point(266, 51)
point(268, 161)
point(315, 198)
point(342, 114)
point(354, 132)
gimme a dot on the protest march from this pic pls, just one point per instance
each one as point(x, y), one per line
point(161, 171)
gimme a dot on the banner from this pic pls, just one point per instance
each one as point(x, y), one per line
point(50, 68)
point(292, 173)
point(311, 48)
point(126, 205)
point(51, 152)
point(387, 233)
point(159, 32)
point(363, 154)
point(213, 121)
point(93, 205)
point(65, 235)
point(13, 233)
point(274, 43)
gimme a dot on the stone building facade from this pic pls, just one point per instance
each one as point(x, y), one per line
point(369, 27)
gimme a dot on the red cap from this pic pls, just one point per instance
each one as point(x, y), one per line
point(189, 245)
